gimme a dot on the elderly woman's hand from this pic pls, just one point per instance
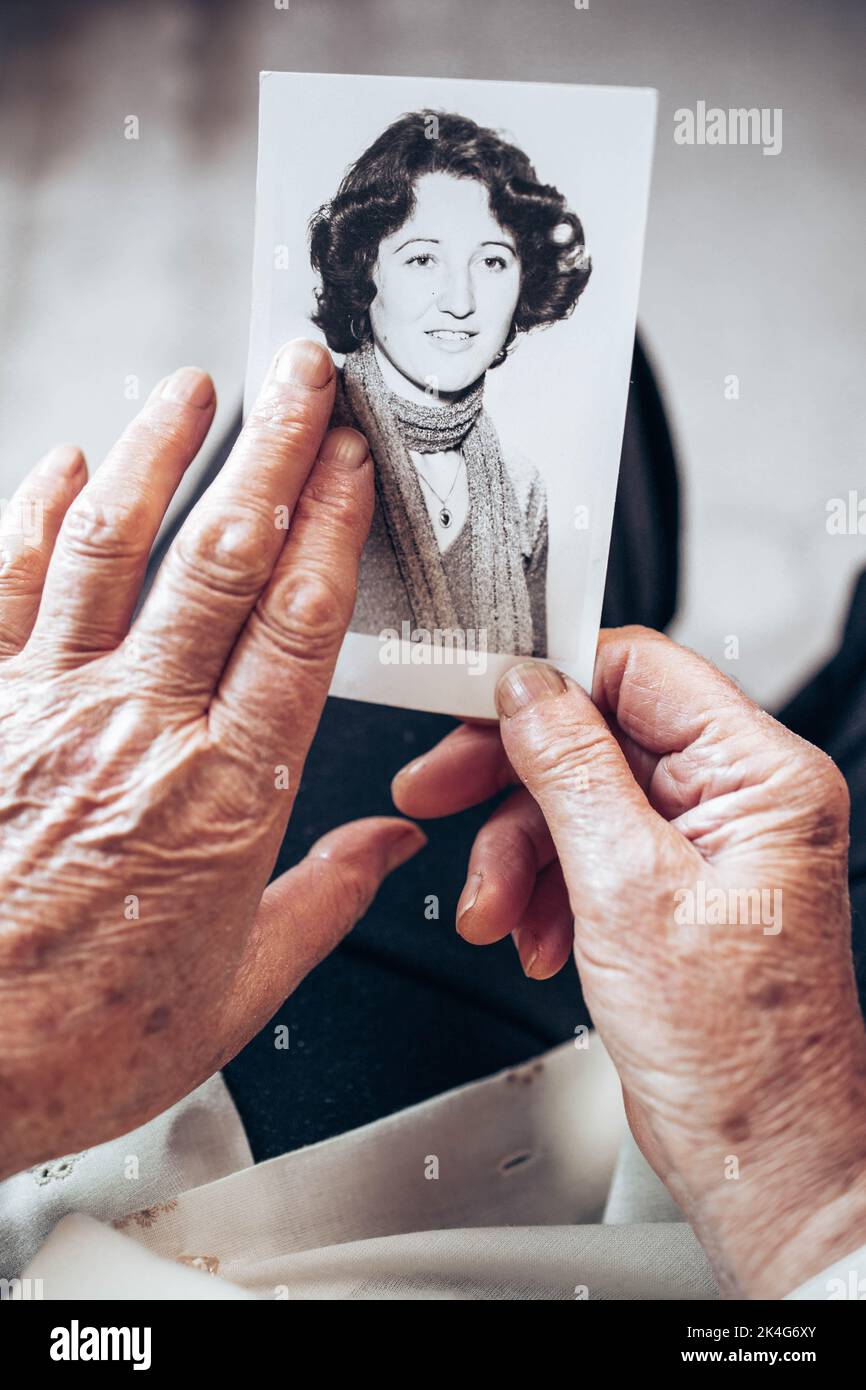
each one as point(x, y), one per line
point(694, 853)
point(147, 772)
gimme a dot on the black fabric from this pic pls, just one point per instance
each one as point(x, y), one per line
point(643, 573)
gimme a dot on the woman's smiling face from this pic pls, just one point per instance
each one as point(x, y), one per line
point(447, 285)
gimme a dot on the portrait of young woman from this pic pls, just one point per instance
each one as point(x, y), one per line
point(440, 249)
point(470, 253)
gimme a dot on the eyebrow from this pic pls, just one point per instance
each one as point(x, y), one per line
point(433, 239)
point(435, 242)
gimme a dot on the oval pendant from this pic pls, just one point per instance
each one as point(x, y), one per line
point(445, 518)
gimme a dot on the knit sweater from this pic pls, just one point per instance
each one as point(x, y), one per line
point(382, 598)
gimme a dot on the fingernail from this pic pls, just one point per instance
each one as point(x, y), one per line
point(409, 770)
point(188, 386)
point(408, 839)
point(527, 950)
point(304, 364)
point(469, 896)
point(63, 461)
point(525, 685)
point(345, 447)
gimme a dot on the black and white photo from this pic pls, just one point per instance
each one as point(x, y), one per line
point(449, 268)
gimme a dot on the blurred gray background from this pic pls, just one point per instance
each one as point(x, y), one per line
point(121, 259)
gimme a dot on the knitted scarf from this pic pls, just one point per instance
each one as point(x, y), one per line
point(392, 427)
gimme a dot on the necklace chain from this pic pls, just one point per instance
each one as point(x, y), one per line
point(443, 500)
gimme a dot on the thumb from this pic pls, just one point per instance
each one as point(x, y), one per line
point(606, 833)
point(305, 913)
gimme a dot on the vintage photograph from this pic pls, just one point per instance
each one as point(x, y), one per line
point(473, 264)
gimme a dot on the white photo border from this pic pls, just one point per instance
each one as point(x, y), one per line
point(360, 673)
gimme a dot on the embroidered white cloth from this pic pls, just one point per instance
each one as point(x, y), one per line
point(523, 1186)
point(197, 1140)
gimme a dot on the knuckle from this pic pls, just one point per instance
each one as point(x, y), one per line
point(230, 554)
point(97, 528)
point(160, 428)
point(308, 615)
point(284, 421)
point(330, 504)
point(565, 756)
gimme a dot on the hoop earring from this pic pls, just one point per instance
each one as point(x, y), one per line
point(504, 353)
point(359, 337)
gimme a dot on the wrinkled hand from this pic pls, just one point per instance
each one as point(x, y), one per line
point(693, 854)
point(147, 773)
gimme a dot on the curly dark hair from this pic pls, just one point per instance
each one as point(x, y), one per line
point(377, 196)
